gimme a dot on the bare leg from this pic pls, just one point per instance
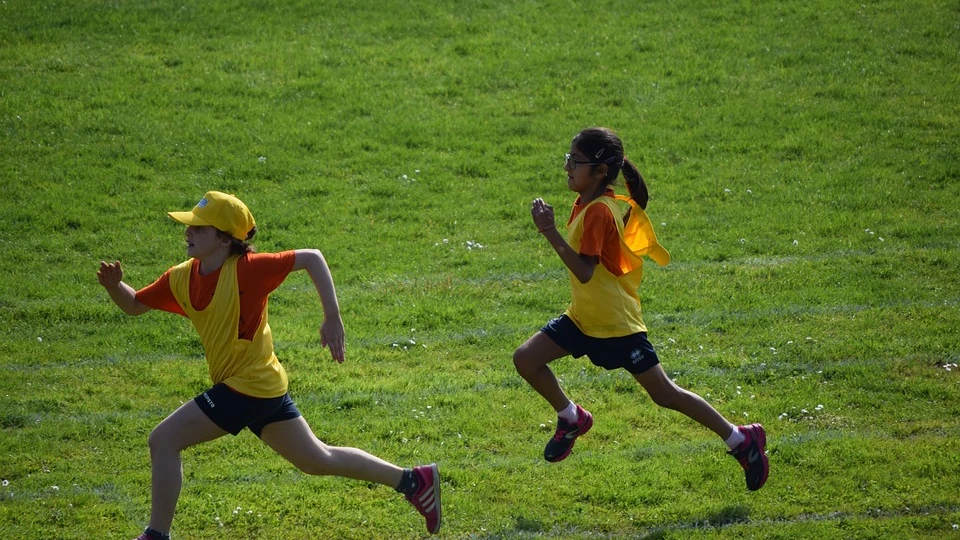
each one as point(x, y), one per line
point(666, 393)
point(294, 440)
point(185, 427)
point(531, 361)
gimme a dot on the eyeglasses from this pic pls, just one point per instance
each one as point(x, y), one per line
point(570, 164)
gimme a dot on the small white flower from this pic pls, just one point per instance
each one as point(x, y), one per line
point(796, 242)
point(262, 159)
point(6, 483)
point(55, 488)
point(39, 339)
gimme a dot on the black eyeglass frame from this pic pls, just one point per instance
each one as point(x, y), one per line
point(568, 159)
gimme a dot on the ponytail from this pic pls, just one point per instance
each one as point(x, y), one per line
point(603, 146)
point(636, 186)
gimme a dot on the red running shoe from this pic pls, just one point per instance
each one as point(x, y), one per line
point(752, 455)
point(559, 447)
point(427, 497)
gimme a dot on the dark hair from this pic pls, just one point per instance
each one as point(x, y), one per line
point(604, 146)
point(238, 247)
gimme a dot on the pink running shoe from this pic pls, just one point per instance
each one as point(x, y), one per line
point(752, 455)
point(427, 497)
point(559, 447)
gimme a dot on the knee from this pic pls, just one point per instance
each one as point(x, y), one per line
point(521, 361)
point(668, 397)
point(158, 442)
point(313, 468)
point(318, 463)
point(165, 441)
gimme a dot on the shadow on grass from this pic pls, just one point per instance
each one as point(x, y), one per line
point(525, 527)
point(725, 516)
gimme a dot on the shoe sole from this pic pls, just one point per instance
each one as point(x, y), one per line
point(583, 431)
point(762, 445)
point(435, 471)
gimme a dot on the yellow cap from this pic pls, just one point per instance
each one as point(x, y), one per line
point(225, 212)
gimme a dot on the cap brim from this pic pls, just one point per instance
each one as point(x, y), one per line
point(188, 218)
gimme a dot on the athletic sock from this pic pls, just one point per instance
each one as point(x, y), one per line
point(408, 483)
point(570, 413)
point(735, 439)
point(154, 534)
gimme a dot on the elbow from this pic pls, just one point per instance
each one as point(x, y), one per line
point(137, 309)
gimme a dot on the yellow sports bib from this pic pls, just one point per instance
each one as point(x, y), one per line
point(249, 367)
point(608, 305)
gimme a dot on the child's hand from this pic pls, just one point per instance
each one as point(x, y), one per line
point(331, 336)
point(110, 274)
point(542, 215)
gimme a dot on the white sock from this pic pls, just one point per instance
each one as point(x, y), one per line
point(735, 438)
point(570, 413)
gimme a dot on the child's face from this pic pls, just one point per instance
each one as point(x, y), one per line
point(204, 241)
point(581, 176)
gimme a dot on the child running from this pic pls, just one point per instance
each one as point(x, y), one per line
point(603, 253)
point(223, 290)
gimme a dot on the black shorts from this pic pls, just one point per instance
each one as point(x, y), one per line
point(633, 353)
point(233, 411)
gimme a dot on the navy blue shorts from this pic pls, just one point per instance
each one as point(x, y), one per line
point(233, 411)
point(633, 353)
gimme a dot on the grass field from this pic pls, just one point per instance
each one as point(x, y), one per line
point(804, 165)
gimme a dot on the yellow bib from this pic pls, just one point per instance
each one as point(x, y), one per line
point(249, 367)
point(608, 305)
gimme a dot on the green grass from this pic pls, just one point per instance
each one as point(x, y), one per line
point(805, 175)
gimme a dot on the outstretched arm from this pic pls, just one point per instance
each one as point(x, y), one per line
point(110, 276)
point(582, 266)
point(331, 330)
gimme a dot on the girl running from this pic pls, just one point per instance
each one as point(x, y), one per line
point(223, 290)
point(603, 253)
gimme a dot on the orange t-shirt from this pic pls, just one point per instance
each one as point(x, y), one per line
point(600, 236)
point(258, 274)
